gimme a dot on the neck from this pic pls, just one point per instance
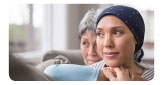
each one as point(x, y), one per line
point(134, 68)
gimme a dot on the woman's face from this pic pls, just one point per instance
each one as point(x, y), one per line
point(89, 49)
point(115, 41)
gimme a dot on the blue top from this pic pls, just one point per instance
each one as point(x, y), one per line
point(72, 72)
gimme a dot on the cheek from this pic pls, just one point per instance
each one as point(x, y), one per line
point(100, 44)
point(126, 46)
point(98, 54)
point(84, 52)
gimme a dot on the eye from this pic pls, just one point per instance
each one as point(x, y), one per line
point(118, 33)
point(99, 34)
point(85, 43)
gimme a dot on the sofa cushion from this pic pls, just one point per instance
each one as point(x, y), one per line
point(74, 56)
point(57, 60)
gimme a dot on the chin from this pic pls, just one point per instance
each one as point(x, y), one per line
point(112, 63)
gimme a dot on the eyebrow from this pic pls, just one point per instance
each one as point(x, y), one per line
point(115, 27)
point(99, 29)
point(121, 27)
point(84, 38)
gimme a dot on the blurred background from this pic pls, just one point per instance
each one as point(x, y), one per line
point(37, 28)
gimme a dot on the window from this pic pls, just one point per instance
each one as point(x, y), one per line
point(39, 28)
point(25, 28)
point(36, 28)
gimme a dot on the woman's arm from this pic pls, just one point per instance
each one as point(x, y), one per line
point(72, 72)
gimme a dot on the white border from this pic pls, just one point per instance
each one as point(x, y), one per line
point(159, 38)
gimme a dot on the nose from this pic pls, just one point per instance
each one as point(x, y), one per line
point(92, 50)
point(108, 41)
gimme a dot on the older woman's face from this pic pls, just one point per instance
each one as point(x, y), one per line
point(89, 49)
point(115, 41)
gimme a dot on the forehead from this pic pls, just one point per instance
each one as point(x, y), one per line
point(89, 35)
point(110, 20)
point(89, 32)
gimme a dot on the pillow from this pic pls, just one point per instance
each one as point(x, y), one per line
point(61, 60)
point(74, 56)
point(57, 60)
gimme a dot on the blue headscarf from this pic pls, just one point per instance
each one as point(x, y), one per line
point(134, 21)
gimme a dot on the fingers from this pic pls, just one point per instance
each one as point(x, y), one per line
point(109, 74)
point(120, 71)
point(132, 76)
point(117, 71)
point(116, 74)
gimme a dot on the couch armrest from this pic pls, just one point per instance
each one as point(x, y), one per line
point(74, 56)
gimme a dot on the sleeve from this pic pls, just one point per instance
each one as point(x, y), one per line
point(72, 72)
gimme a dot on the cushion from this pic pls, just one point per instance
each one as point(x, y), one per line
point(57, 60)
point(74, 56)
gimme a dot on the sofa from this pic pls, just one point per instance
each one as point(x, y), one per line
point(61, 57)
point(37, 65)
point(29, 69)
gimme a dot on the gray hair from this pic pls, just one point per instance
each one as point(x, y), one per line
point(89, 22)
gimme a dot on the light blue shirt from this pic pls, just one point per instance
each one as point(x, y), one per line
point(72, 72)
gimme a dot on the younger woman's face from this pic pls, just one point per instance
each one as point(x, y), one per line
point(115, 41)
point(89, 49)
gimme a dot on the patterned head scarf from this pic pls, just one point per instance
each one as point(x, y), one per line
point(134, 21)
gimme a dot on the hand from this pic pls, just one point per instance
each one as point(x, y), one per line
point(121, 74)
point(116, 74)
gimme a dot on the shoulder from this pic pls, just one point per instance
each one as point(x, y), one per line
point(148, 74)
point(98, 65)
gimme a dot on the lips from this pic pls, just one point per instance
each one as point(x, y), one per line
point(111, 55)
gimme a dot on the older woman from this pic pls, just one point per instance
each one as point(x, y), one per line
point(120, 35)
point(87, 35)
